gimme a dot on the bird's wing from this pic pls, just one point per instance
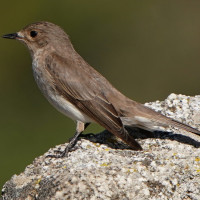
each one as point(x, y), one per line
point(85, 88)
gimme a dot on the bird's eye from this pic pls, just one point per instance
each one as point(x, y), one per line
point(33, 34)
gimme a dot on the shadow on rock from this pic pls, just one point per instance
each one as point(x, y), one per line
point(107, 138)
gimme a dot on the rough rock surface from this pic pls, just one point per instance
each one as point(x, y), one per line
point(101, 167)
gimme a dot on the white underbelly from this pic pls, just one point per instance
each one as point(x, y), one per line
point(68, 109)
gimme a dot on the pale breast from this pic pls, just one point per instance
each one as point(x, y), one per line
point(46, 86)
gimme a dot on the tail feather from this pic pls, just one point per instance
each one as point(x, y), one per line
point(159, 119)
point(184, 127)
point(146, 118)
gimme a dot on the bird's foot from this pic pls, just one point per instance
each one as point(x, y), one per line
point(62, 154)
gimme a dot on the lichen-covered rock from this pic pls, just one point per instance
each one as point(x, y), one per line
point(167, 168)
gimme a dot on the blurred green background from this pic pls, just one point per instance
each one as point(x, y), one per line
point(147, 49)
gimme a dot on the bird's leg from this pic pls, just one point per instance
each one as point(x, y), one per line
point(88, 134)
point(86, 125)
point(80, 127)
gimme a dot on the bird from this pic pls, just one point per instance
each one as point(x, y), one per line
point(80, 92)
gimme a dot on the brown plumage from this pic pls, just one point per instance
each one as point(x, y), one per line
point(79, 91)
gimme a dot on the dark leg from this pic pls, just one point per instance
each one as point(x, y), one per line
point(86, 125)
point(80, 127)
point(88, 134)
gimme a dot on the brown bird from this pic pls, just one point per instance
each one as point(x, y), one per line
point(78, 91)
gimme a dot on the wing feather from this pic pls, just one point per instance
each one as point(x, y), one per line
point(84, 87)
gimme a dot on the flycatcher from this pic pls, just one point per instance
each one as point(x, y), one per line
point(78, 91)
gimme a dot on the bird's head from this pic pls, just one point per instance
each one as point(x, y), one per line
point(42, 35)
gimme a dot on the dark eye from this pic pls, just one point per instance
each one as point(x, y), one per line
point(33, 34)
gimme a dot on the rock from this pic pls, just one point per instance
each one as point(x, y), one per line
point(101, 167)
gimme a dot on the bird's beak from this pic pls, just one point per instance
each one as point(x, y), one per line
point(12, 36)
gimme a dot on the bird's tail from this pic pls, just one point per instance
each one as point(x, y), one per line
point(180, 125)
point(151, 120)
